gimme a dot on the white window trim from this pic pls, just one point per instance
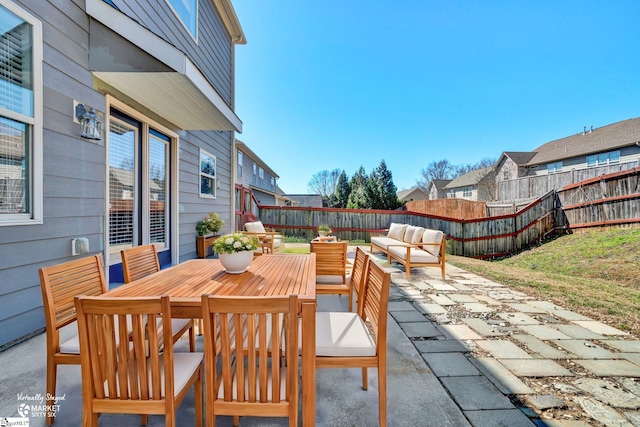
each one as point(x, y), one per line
point(36, 170)
point(173, 166)
point(175, 12)
point(200, 174)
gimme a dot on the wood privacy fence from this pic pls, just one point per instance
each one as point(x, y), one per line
point(532, 186)
point(611, 199)
point(487, 237)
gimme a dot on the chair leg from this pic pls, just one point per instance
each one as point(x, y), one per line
point(382, 393)
point(235, 420)
point(365, 379)
point(192, 338)
point(51, 387)
point(198, 397)
point(144, 419)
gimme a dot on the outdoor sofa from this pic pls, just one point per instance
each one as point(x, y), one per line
point(412, 246)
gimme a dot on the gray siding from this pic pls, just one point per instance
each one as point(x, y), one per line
point(74, 169)
point(213, 52)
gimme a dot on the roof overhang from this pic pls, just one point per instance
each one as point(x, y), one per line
point(154, 73)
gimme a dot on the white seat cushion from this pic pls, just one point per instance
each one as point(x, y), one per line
point(343, 334)
point(417, 236)
point(417, 255)
point(71, 345)
point(384, 242)
point(409, 232)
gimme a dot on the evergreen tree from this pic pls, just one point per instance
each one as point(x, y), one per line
point(342, 191)
point(357, 198)
point(387, 197)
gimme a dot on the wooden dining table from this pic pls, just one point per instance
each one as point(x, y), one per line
point(268, 275)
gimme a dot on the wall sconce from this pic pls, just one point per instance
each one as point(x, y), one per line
point(218, 183)
point(90, 122)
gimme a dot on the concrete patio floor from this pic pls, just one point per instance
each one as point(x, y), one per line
point(461, 352)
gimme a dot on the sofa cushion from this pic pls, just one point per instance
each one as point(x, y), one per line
point(417, 236)
point(384, 242)
point(254, 227)
point(417, 255)
point(396, 231)
point(408, 234)
point(432, 236)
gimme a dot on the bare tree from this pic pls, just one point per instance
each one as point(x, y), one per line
point(324, 182)
point(440, 169)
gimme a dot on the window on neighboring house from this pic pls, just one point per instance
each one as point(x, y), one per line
point(20, 117)
point(603, 159)
point(261, 176)
point(207, 174)
point(467, 192)
point(240, 160)
point(505, 175)
point(187, 12)
point(273, 183)
point(554, 167)
point(451, 194)
point(255, 173)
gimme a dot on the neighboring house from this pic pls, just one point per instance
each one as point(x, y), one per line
point(414, 193)
point(590, 153)
point(436, 189)
point(478, 185)
point(255, 184)
point(305, 200)
point(160, 75)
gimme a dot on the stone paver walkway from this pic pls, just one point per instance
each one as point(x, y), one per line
point(508, 359)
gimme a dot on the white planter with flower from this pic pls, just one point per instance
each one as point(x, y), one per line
point(235, 251)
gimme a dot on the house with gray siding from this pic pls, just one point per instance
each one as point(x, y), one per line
point(477, 185)
point(414, 193)
point(160, 78)
point(587, 154)
point(255, 184)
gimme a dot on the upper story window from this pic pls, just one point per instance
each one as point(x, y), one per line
point(20, 117)
point(467, 192)
point(554, 167)
point(505, 175)
point(207, 174)
point(273, 183)
point(261, 176)
point(603, 159)
point(239, 167)
point(187, 11)
point(255, 173)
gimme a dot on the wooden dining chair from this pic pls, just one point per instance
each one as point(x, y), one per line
point(59, 284)
point(243, 379)
point(357, 276)
point(140, 261)
point(351, 340)
point(136, 378)
point(331, 269)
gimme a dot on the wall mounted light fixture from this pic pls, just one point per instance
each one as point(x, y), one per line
point(90, 122)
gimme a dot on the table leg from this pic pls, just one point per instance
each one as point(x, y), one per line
point(309, 364)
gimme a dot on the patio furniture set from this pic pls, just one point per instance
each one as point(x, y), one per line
point(257, 327)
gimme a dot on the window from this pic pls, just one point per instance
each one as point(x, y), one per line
point(187, 12)
point(139, 184)
point(254, 179)
point(273, 183)
point(554, 167)
point(505, 175)
point(20, 117)
point(207, 174)
point(603, 159)
point(467, 192)
point(261, 176)
point(240, 160)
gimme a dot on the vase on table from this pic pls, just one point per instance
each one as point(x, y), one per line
point(236, 262)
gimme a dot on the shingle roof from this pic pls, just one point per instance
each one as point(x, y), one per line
point(605, 138)
point(520, 157)
point(440, 183)
point(414, 192)
point(470, 178)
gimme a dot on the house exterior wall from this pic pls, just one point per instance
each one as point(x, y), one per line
point(251, 175)
point(628, 154)
point(75, 169)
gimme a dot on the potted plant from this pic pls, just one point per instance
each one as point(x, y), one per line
point(209, 225)
point(324, 230)
point(206, 228)
point(235, 251)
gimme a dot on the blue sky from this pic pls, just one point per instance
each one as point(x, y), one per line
point(342, 84)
